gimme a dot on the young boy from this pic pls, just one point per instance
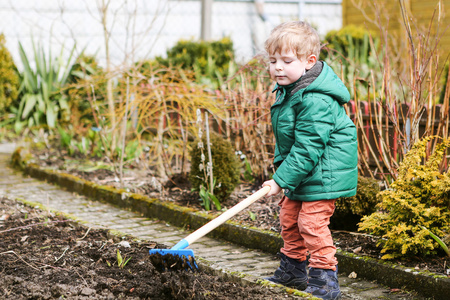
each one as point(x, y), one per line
point(315, 157)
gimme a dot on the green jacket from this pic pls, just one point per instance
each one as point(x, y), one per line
point(316, 152)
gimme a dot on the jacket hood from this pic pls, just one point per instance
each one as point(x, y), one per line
point(322, 79)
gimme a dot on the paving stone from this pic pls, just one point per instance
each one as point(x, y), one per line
point(122, 227)
point(242, 255)
point(142, 231)
point(168, 241)
point(148, 222)
point(206, 241)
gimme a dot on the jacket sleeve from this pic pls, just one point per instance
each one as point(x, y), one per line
point(313, 125)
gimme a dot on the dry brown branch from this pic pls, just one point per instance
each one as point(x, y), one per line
point(404, 109)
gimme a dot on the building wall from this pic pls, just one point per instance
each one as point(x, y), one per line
point(145, 28)
point(421, 14)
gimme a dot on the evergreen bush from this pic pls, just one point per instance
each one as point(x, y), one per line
point(350, 210)
point(364, 202)
point(210, 58)
point(417, 203)
point(84, 73)
point(355, 53)
point(347, 38)
point(9, 78)
point(226, 166)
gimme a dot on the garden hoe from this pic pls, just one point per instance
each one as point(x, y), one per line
point(187, 255)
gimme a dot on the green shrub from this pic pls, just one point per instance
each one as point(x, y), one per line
point(349, 52)
point(42, 101)
point(84, 73)
point(365, 200)
point(417, 201)
point(9, 78)
point(226, 166)
point(347, 38)
point(208, 59)
point(350, 210)
point(147, 68)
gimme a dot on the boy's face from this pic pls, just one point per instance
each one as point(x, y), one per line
point(286, 68)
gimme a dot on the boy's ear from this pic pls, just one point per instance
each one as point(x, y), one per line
point(311, 61)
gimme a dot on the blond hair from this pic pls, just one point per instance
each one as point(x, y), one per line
point(297, 36)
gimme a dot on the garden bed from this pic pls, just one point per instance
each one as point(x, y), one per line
point(46, 256)
point(161, 196)
point(263, 214)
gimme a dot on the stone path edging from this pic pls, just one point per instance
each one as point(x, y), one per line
point(424, 282)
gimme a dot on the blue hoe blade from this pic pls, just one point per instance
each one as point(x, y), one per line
point(186, 255)
point(179, 252)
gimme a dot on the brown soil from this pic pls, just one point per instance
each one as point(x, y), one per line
point(44, 256)
point(262, 214)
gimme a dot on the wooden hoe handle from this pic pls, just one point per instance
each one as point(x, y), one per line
point(205, 229)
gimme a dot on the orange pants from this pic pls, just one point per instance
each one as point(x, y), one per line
point(305, 229)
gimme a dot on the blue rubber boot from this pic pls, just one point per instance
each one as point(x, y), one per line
point(291, 273)
point(323, 284)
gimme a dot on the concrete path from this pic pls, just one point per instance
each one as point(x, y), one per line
point(223, 255)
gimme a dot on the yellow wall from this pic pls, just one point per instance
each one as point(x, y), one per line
point(362, 12)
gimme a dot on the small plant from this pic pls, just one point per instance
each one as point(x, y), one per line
point(122, 261)
point(207, 197)
point(226, 167)
point(206, 193)
point(415, 207)
point(248, 173)
point(439, 241)
point(132, 150)
point(66, 139)
point(83, 145)
point(42, 101)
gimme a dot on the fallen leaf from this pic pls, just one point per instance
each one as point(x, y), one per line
point(151, 245)
point(24, 238)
